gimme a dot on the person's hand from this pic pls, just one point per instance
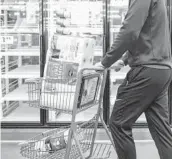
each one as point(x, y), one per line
point(118, 65)
point(99, 65)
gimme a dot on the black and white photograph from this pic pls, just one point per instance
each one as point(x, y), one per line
point(86, 79)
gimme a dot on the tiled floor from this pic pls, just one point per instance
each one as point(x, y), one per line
point(10, 148)
point(144, 151)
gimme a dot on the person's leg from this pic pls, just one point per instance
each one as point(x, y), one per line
point(135, 95)
point(158, 121)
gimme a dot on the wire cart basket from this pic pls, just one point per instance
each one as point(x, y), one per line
point(69, 93)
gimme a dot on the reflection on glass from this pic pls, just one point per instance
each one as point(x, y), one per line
point(19, 52)
point(73, 18)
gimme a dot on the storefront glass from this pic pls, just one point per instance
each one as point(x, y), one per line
point(63, 19)
point(21, 31)
point(19, 50)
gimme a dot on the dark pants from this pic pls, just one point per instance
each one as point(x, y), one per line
point(144, 90)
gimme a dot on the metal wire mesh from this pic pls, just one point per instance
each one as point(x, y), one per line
point(51, 94)
point(55, 94)
point(52, 144)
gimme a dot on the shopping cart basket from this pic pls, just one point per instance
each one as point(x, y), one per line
point(69, 95)
point(63, 90)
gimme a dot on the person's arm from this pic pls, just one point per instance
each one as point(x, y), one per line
point(124, 58)
point(129, 32)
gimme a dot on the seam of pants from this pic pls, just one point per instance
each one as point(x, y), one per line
point(156, 136)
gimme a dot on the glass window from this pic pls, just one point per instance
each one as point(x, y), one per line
point(20, 53)
point(65, 19)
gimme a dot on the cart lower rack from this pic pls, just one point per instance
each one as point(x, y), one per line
point(52, 144)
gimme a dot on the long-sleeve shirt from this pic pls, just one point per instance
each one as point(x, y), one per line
point(144, 35)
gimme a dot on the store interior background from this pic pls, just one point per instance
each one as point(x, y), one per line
point(24, 26)
point(20, 22)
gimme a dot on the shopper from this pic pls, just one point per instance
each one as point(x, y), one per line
point(145, 36)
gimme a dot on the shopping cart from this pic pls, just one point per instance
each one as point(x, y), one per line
point(69, 94)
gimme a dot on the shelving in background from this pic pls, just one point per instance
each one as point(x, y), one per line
point(20, 56)
point(20, 46)
point(19, 111)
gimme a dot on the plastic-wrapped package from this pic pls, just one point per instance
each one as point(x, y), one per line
point(61, 70)
point(78, 49)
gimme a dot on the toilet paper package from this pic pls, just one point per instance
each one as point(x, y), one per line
point(79, 50)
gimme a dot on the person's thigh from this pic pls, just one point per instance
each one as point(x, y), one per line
point(140, 88)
